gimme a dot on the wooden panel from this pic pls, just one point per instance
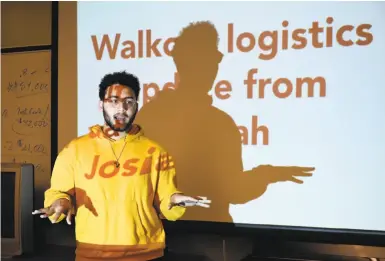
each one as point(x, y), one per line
point(68, 74)
point(25, 24)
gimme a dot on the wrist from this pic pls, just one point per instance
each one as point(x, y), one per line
point(174, 196)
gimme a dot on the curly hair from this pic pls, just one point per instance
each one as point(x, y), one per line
point(123, 78)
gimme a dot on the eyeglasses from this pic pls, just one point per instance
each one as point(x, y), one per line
point(126, 103)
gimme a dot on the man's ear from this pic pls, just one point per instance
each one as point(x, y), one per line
point(100, 106)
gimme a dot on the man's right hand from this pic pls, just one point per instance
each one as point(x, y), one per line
point(59, 206)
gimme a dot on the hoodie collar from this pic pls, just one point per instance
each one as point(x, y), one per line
point(96, 131)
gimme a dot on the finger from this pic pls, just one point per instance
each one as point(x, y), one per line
point(171, 205)
point(205, 203)
point(295, 180)
point(185, 203)
point(37, 211)
point(40, 211)
point(56, 216)
point(197, 198)
point(306, 169)
point(200, 204)
point(302, 174)
point(193, 203)
point(69, 217)
point(44, 212)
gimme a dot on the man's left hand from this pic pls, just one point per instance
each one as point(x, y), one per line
point(187, 201)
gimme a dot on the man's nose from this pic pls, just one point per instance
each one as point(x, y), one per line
point(120, 107)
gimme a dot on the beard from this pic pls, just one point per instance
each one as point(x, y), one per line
point(119, 127)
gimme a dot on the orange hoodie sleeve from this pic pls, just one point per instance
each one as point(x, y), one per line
point(166, 187)
point(62, 179)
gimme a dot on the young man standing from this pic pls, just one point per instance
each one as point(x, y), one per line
point(117, 182)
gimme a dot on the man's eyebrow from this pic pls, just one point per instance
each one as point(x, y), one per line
point(117, 97)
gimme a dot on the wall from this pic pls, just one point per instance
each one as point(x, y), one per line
point(37, 31)
point(28, 24)
point(67, 107)
point(25, 24)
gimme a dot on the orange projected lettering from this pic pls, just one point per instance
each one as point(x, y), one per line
point(108, 169)
point(130, 167)
point(147, 163)
point(165, 163)
point(223, 90)
point(146, 46)
point(282, 87)
point(250, 135)
point(151, 90)
point(93, 169)
point(321, 34)
point(107, 132)
point(268, 43)
point(264, 44)
point(115, 94)
point(110, 132)
point(115, 90)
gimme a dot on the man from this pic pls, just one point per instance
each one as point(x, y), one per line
point(117, 182)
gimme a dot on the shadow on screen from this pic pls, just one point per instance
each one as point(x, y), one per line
point(205, 141)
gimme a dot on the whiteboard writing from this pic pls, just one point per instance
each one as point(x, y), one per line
point(26, 114)
point(21, 146)
point(28, 84)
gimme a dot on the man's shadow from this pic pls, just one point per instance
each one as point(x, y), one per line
point(205, 141)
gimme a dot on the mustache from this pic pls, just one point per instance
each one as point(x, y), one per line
point(120, 115)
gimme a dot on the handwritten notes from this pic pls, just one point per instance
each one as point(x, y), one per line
point(26, 113)
point(26, 85)
point(24, 148)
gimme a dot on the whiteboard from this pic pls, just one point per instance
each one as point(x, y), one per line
point(26, 114)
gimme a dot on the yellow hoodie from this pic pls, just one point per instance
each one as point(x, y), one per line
point(117, 208)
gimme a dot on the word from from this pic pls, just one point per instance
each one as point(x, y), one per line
point(130, 166)
point(297, 39)
point(249, 135)
point(23, 146)
point(269, 42)
point(250, 83)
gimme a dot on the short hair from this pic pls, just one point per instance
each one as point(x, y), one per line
point(201, 32)
point(122, 78)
